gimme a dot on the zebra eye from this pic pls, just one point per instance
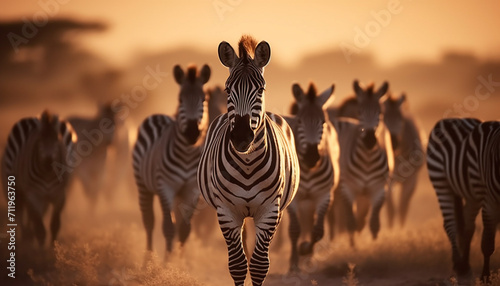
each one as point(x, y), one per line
point(261, 90)
point(227, 90)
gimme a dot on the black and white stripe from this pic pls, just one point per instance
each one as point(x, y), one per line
point(38, 155)
point(463, 158)
point(365, 162)
point(249, 167)
point(318, 151)
point(166, 155)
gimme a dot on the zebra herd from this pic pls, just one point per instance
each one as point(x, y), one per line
point(247, 162)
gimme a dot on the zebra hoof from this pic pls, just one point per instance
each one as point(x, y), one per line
point(306, 248)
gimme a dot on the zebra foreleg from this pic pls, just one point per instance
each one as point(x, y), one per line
point(185, 210)
point(168, 225)
point(265, 227)
point(377, 202)
point(490, 215)
point(389, 202)
point(408, 187)
point(294, 233)
point(319, 226)
point(36, 218)
point(55, 223)
point(231, 229)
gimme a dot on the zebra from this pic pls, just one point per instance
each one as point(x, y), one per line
point(462, 158)
point(165, 158)
point(98, 133)
point(365, 161)
point(484, 146)
point(408, 154)
point(38, 155)
point(318, 151)
point(204, 219)
point(248, 167)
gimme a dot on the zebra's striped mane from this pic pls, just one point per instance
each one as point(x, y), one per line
point(49, 124)
point(312, 92)
point(246, 47)
point(191, 73)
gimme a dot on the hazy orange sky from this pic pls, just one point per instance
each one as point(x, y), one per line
point(417, 29)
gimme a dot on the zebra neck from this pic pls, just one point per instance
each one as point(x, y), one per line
point(181, 138)
point(256, 149)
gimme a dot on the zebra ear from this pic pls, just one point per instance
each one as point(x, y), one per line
point(402, 99)
point(383, 89)
point(205, 74)
point(298, 93)
point(262, 54)
point(356, 87)
point(178, 74)
point(227, 56)
point(325, 95)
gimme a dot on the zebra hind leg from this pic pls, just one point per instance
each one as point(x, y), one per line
point(490, 221)
point(148, 217)
point(294, 233)
point(470, 212)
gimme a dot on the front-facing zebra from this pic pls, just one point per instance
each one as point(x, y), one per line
point(365, 161)
point(166, 155)
point(318, 152)
point(249, 167)
point(37, 155)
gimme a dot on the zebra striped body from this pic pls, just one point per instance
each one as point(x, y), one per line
point(463, 159)
point(38, 155)
point(317, 149)
point(96, 134)
point(248, 167)
point(165, 158)
point(365, 162)
point(409, 156)
point(205, 219)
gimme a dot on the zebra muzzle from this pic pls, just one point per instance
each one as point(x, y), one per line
point(369, 139)
point(241, 136)
point(192, 132)
point(311, 156)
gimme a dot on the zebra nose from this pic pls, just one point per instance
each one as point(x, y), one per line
point(311, 156)
point(192, 132)
point(241, 136)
